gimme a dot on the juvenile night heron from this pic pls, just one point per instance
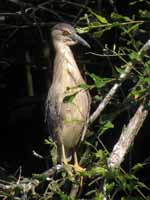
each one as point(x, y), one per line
point(66, 118)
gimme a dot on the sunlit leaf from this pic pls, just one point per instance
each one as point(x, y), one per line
point(100, 18)
point(99, 171)
point(144, 14)
point(119, 70)
point(104, 126)
point(109, 187)
point(99, 81)
point(134, 56)
point(82, 30)
point(137, 167)
point(86, 86)
point(100, 154)
point(103, 20)
point(69, 98)
point(99, 196)
point(117, 16)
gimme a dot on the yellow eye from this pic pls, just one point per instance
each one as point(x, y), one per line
point(66, 33)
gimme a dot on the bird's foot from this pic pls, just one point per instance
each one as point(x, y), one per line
point(78, 168)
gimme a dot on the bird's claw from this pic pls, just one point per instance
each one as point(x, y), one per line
point(78, 168)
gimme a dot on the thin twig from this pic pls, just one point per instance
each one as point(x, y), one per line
point(79, 13)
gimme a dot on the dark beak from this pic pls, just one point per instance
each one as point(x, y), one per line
point(79, 39)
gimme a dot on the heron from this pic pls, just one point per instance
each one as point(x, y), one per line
point(67, 118)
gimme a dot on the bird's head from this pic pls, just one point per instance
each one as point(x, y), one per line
point(66, 34)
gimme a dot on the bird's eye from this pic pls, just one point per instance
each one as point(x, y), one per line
point(66, 33)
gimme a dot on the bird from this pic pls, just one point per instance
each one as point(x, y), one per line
point(67, 104)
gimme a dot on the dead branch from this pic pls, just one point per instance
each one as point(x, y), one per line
point(127, 137)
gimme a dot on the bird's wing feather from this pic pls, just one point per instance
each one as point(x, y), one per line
point(87, 118)
point(52, 117)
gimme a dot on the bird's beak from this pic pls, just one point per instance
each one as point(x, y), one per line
point(79, 39)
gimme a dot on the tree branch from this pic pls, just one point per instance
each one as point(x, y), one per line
point(127, 137)
point(116, 86)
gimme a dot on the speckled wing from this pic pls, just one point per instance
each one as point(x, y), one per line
point(87, 118)
point(52, 117)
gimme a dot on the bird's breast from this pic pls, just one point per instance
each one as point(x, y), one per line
point(72, 101)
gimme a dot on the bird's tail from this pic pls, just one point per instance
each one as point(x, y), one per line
point(69, 155)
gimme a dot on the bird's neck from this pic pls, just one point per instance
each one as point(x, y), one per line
point(63, 50)
point(64, 61)
point(64, 56)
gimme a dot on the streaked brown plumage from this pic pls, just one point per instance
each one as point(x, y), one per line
point(66, 119)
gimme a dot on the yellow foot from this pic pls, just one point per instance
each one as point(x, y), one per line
point(78, 168)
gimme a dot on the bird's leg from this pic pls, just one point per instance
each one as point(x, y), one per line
point(77, 167)
point(65, 161)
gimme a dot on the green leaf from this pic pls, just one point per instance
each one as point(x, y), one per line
point(64, 196)
point(101, 171)
point(109, 187)
point(99, 196)
point(86, 86)
point(53, 149)
point(101, 154)
point(135, 2)
point(99, 81)
point(135, 56)
point(119, 70)
point(133, 28)
point(69, 98)
point(117, 16)
point(144, 14)
point(101, 19)
point(82, 30)
point(104, 126)
point(94, 25)
point(49, 141)
point(137, 167)
point(146, 79)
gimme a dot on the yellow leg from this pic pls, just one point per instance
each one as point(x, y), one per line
point(77, 167)
point(64, 159)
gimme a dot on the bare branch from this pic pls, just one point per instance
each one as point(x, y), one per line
point(145, 47)
point(127, 137)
